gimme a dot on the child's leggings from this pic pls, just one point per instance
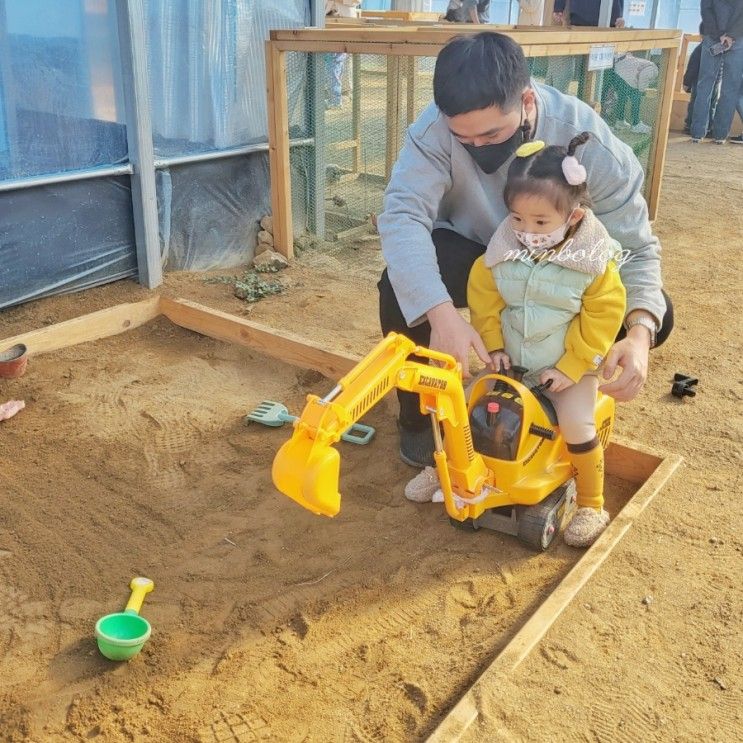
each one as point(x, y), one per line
point(575, 408)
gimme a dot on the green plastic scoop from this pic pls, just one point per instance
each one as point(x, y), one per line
point(121, 635)
point(275, 414)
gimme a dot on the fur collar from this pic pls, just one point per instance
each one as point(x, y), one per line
point(589, 250)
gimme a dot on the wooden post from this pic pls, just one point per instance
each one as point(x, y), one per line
point(393, 114)
point(278, 150)
point(657, 155)
point(356, 110)
point(410, 69)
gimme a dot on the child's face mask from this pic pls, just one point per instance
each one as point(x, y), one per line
point(538, 241)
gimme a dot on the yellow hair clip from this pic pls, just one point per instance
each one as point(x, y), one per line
point(530, 148)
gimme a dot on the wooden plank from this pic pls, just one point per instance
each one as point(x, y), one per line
point(346, 144)
point(439, 34)
point(400, 15)
point(278, 344)
point(392, 144)
point(86, 328)
point(278, 150)
point(410, 89)
point(356, 110)
point(466, 711)
point(657, 155)
point(408, 48)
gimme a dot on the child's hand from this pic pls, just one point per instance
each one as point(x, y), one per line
point(501, 361)
point(559, 381)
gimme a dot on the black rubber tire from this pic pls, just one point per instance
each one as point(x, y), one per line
point(539, 525)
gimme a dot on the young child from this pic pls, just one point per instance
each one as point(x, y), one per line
point(547, 296)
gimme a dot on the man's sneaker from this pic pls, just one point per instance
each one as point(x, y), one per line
point(416, 447)
point(621, 124)
point(720, 141)
point(695, 140)
point(641, 128)
point(736, 140)
point(423, 486)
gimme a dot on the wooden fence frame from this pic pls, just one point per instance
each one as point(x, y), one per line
point(414, 41)
point(678, 89)
point(647, 469)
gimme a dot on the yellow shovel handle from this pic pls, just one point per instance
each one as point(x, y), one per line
point(140, 588)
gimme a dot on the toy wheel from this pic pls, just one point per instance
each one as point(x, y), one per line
point(539, 525)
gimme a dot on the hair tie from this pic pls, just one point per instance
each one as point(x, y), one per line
point(575, 174)
point(530, 148)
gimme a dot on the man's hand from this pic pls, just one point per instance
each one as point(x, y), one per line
point(452, 334)
point(558, 19)
point(631, 354)
point(560, 381)
point(619, 23)
point(727, 41)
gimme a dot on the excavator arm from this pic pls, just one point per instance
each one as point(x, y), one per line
point(307, 467)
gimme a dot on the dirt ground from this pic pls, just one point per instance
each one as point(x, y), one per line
point(270, 623)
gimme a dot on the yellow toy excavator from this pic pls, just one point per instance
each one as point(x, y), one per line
point(502, 462)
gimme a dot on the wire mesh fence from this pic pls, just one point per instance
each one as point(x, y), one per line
point(360, 105)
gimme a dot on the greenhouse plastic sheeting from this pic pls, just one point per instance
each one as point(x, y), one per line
point(53, 238)
point(60, 89)
point(207, 72)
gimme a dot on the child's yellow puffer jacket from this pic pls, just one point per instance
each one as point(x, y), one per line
point(562, 309)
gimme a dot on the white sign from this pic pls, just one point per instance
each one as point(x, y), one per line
point(601, 57)
point(636, 7)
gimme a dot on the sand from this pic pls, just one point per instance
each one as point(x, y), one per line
point(271, 623)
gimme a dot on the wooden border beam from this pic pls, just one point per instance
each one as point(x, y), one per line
point(278, 344)
point(467, 710)
point(92, 327)
point(650, 470)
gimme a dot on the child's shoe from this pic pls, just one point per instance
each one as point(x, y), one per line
point(585, 527)
point(423, 486)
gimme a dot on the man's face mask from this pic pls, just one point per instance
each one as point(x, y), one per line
point(490, 157)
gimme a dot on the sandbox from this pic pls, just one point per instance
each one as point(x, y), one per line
point(268, 622)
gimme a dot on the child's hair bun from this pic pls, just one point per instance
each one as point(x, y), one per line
point(575, 173)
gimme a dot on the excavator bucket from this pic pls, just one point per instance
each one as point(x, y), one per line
point(308, 472)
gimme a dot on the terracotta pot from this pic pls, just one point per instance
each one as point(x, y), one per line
point(13, 361)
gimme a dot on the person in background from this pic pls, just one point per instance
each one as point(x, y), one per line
point(562, 71)
point(586, 13)
point(722, 53)
point(335, 63)
point(468, 11)
point(739, 108)
point(691, 76)
point(530, 12)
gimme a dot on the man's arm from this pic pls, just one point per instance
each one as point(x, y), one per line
point(615, 181)
point(420, 178)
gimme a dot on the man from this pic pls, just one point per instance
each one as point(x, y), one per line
point(445, 200)
point(586, 13)
point(561, 71)
point(722, 52)
point(691, 77)
point(468, 11)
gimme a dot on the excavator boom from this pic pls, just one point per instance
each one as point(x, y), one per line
point(307, 467)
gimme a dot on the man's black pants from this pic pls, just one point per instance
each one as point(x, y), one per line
point(455, 254)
